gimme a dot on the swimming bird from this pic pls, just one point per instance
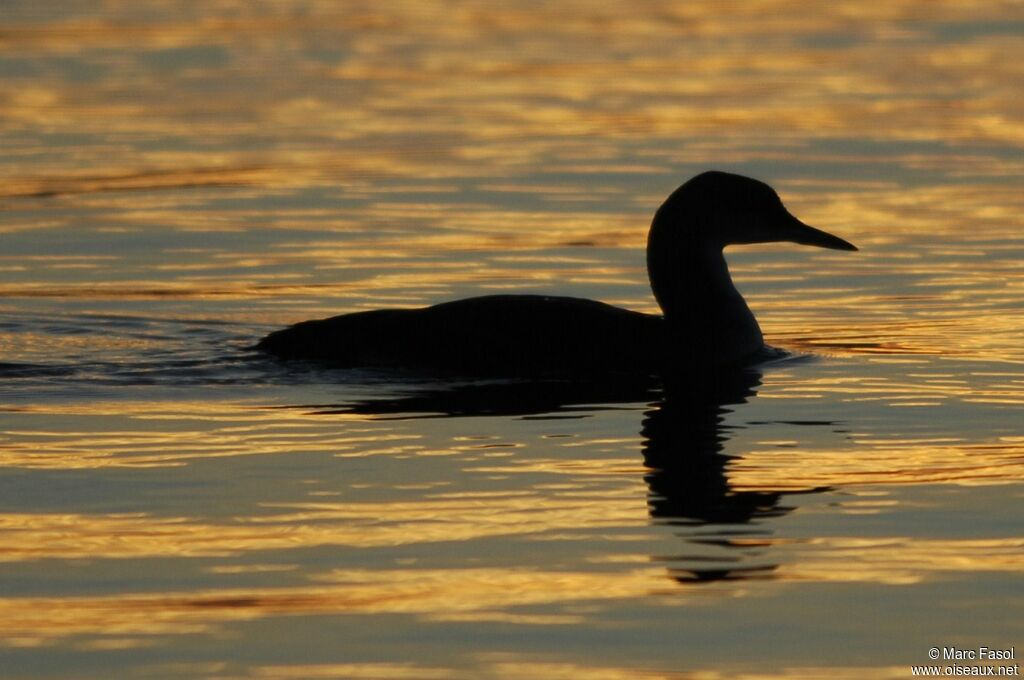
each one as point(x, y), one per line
point(706, 323)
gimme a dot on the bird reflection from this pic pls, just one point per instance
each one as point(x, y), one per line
point(683, 449)
point(532, 398)
point(684, 433)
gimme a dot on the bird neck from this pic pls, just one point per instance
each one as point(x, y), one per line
point(691, 282)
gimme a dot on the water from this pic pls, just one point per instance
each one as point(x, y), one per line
point(180, 178)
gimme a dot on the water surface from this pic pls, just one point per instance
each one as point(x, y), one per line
point(180, 178)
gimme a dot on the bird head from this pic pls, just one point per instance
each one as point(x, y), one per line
point(723, 209)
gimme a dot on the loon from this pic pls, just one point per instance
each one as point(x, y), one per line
point(706, 323)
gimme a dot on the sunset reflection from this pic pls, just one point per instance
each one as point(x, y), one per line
point(179, 179)
point(490, 595)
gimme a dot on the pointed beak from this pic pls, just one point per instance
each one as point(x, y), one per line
point(796, 231)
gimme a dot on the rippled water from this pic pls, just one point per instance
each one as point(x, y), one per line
point(180, 178)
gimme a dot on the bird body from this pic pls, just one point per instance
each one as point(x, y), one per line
point(706, 322)
point(494, 334)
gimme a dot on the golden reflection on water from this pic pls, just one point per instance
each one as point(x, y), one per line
point(491, 89)
point(461, 594)
point(364, 525)
point(528, 670)
point(476, 594)
point(507, 667)
point(883, 461)
point(267, 163)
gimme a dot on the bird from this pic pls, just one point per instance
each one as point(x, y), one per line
point(705, 323)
